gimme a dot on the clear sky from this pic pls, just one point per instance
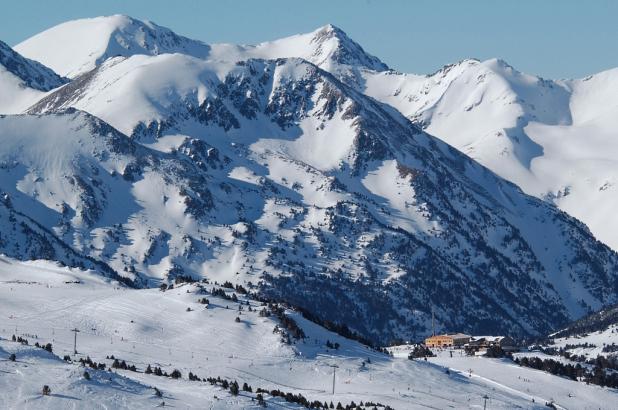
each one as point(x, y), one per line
point(551, 38)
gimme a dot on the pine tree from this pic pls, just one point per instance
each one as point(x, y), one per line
point(234, 388)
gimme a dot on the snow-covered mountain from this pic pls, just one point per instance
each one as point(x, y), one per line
point(555, 139)
point(274, 170)
point(328, 47)
point(250, 164)
point(551, 138)
point(22, 81)
point(78, 46)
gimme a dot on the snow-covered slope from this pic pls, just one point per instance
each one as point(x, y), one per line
point(78, 46)
point(79, 178)
point(22, 81)
point(289, 176)
point(481, 108)
point(555, 139)
point(594, 322)
point(42, 303)
point(589, 344)
point(538, 387)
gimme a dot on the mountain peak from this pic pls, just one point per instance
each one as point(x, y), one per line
point(335, 45)
point(81, 45)
point(330, 30)
point(122, 21)
point(498, 63)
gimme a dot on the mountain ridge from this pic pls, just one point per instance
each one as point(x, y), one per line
point(121, 35)
point(284, 175)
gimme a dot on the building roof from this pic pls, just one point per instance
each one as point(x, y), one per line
point(452, 336)
point(459, 336)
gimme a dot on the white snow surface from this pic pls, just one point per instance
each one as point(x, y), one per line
point(596, 341)
point(42, 302)
point(529, 384)
point(14, 96)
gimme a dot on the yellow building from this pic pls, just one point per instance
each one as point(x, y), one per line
point(448, 340)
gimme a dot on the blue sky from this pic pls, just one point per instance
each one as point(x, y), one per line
point(552, 38)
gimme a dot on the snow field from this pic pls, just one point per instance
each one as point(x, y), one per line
point(153, 327)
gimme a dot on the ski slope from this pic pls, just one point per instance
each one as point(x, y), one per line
point(154, 327)
point(527, 383)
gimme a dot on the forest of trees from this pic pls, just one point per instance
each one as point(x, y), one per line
point(599, 374)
